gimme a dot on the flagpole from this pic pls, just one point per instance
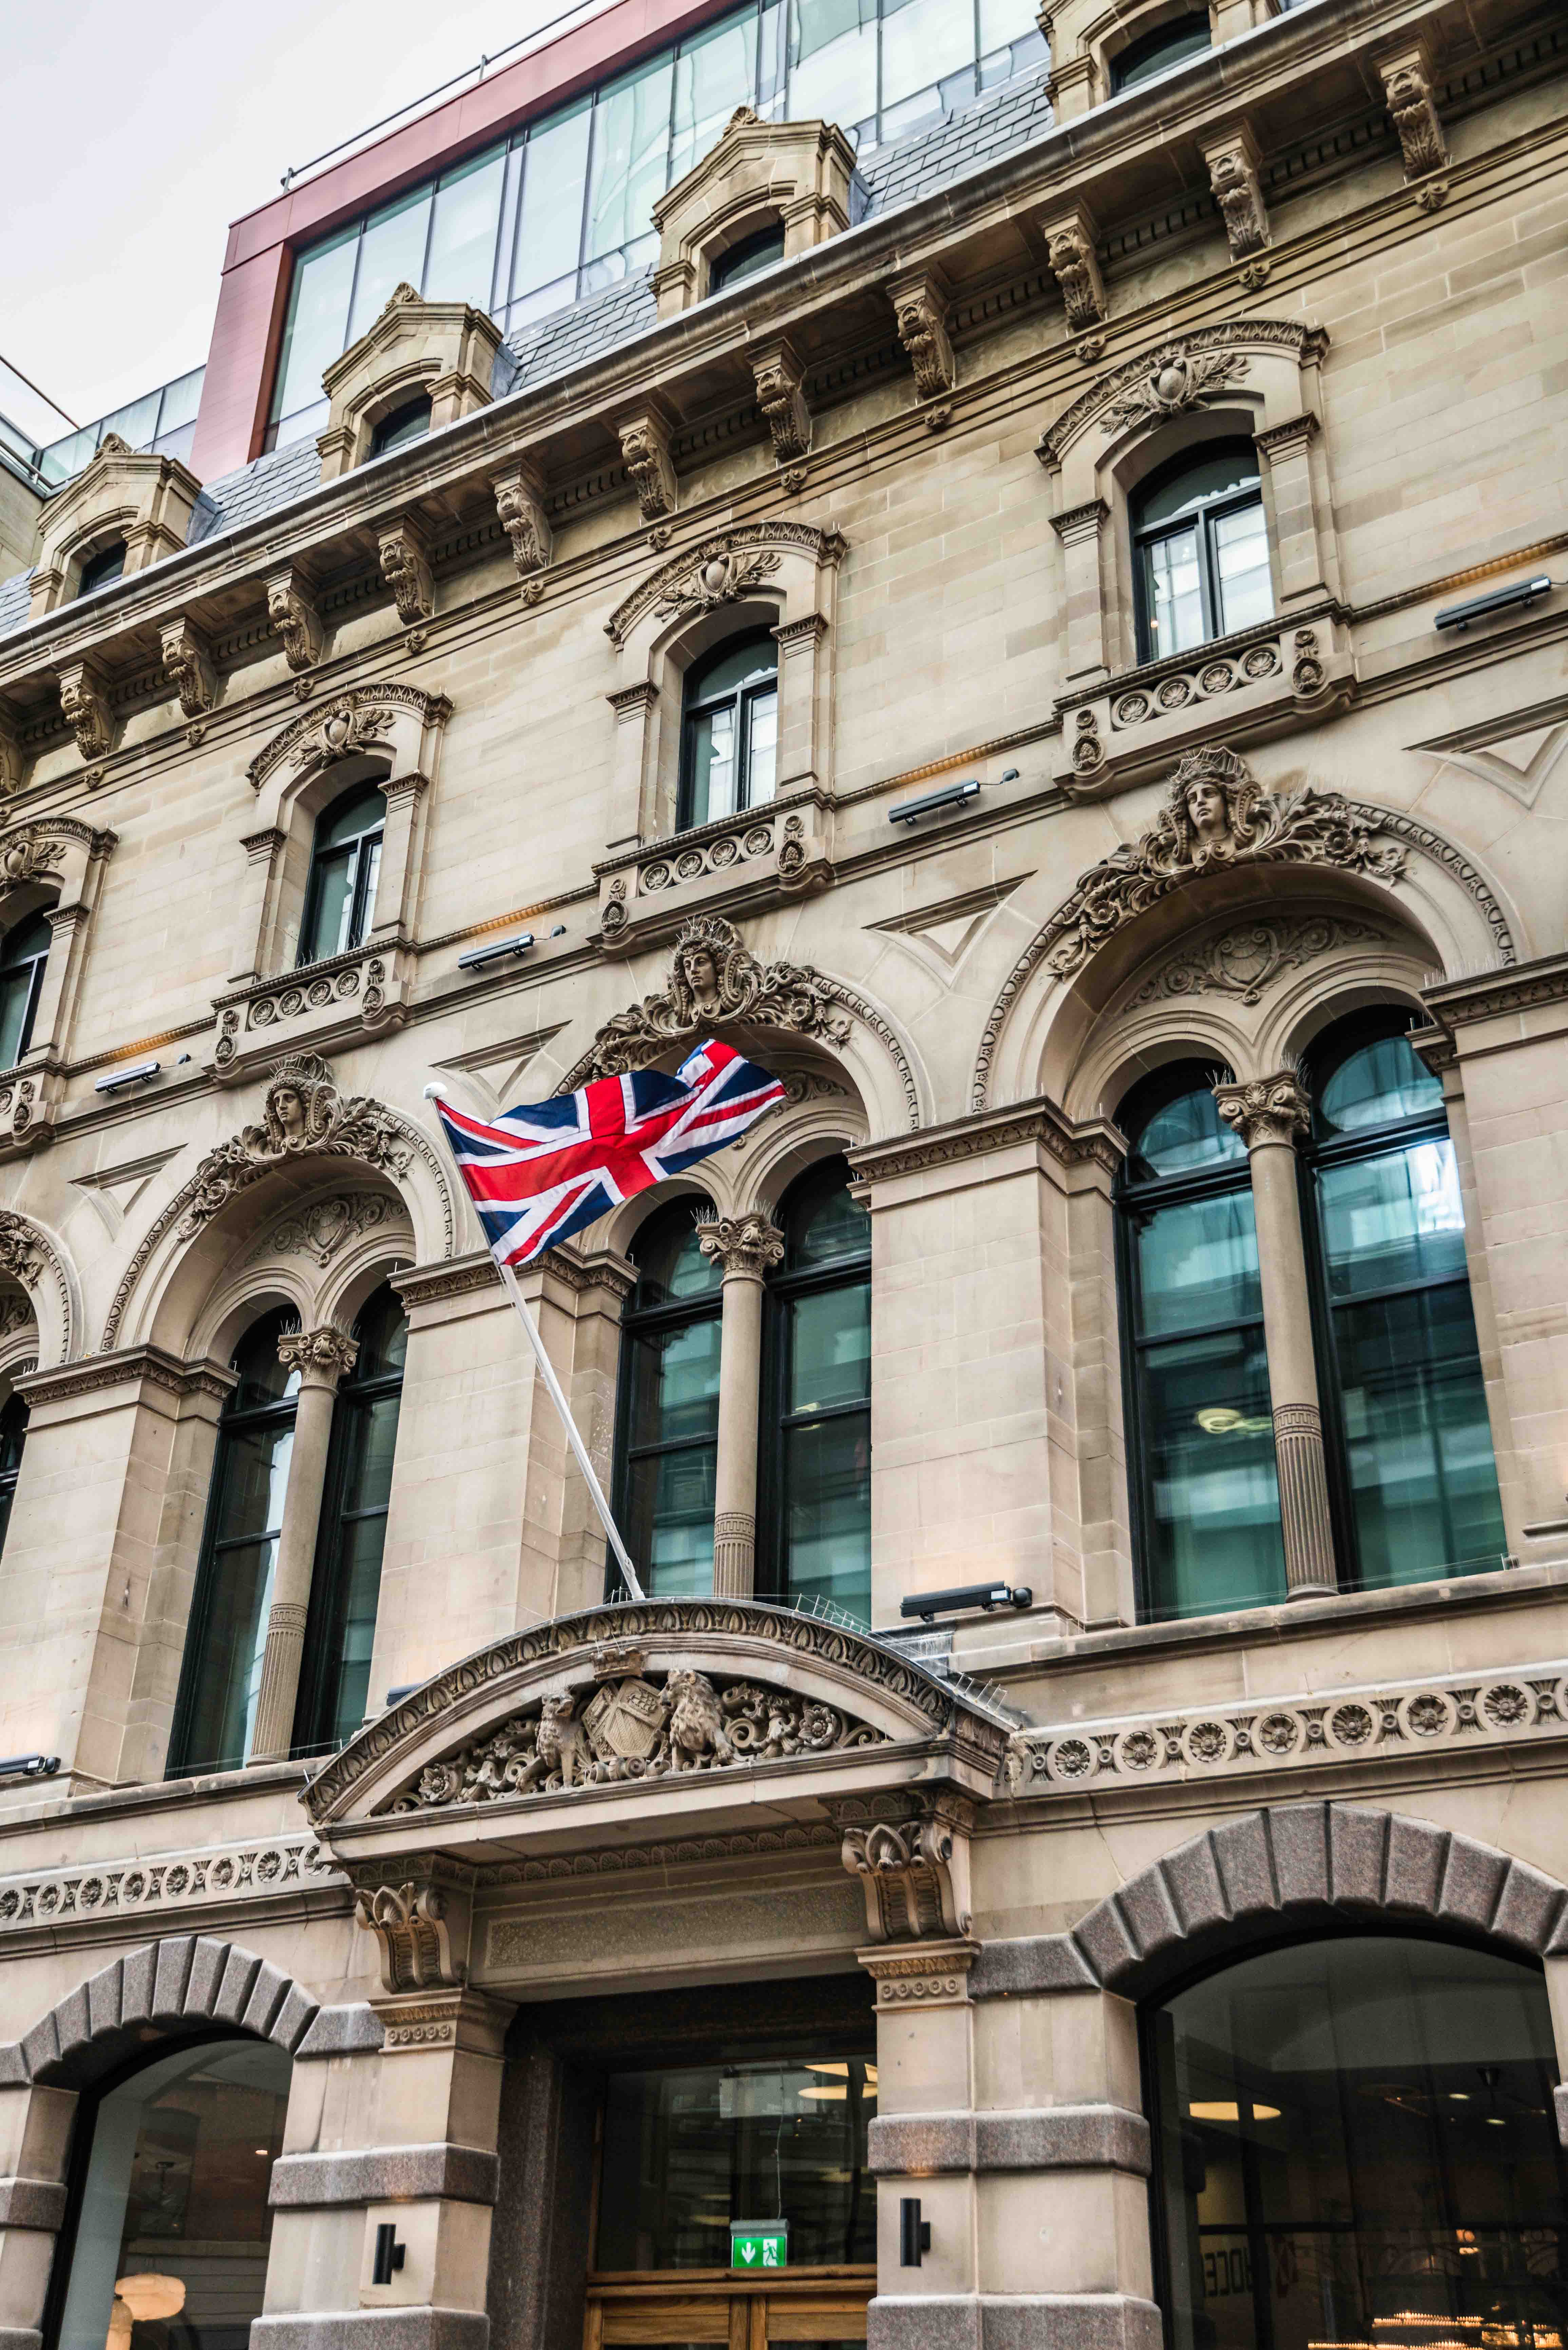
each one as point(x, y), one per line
point(558, 1397)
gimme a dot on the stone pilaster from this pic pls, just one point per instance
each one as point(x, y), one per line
point(1269, 1113)
point(745, 1246)
point(321, 1357)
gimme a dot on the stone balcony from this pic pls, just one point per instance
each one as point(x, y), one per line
point(781, 849)
point(1257, 683)
point(313, 1009)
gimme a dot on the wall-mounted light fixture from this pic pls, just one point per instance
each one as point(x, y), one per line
point(914, 2234)
point(134, 1076)
point(966, 1595)
point(1522, 592)
point(953, 796)
point(389, 2254)
point(29, 1766)
point(479, 958)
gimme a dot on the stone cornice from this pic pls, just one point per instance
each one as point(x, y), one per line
point(147, 1366)
point(1092, 1141)
point(1521, 987)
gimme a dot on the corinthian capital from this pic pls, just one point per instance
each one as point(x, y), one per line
point(744, 1244)
point(1266, 1110)
point(323, 1356)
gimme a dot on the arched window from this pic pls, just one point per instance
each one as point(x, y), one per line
point(412, 422)
point(730, 733)
point(1418, 1486)
point(668, 1417)
point(1201, 550)
point(103, 566)
point(221, 1678)
point(1157, 52)
point(1355, 2144)
point(171, 2227)
point(815, 1519)
point(344, 859)
point(13, 1437)
point(24, 952)
point(1205, 1493)
point(340, 1633)
point(747, 259)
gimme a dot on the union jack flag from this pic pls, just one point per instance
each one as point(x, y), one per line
point(546, 1169)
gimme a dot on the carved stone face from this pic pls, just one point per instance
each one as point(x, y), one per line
point(1207, 812)
point(289, 1107)
point(701, 974)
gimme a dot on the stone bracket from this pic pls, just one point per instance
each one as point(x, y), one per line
point(1234, 164)
point(405, 567)
point(520, 504)
point(188, 663)
point(644, 438)
point(920, 302)
point(1070, 241)
point(780, 380)
point(1406, 77)
point(421, 1933)
point(912, 1859)
point(292, 614)
point(84, 701)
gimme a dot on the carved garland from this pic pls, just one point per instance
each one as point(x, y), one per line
point(33, 852)
point(26, 1254)
point(690, 582)
point(1181, 376)
point(686, 1620)
point(352, 720)
point(304, 1117)
point(1217, 816)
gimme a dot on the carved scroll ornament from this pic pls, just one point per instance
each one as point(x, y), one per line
point(636, 1727)
point(714, 978)
point(1178, 378)
point(303, 1115)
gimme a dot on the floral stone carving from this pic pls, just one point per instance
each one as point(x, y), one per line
point(714, 978)
point(1178, 378)
point(1244, 961)
point(638, 1727)
point(29, 855)
point(303, 1114)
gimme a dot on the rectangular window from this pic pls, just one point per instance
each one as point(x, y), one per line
point(318, 330)
point(462, 230)
point(631, 154)
point(550, 227)
point(391, 254)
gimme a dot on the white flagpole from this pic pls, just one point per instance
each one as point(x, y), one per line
point(558, 1397)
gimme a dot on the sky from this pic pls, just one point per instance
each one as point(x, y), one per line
point(135, 135)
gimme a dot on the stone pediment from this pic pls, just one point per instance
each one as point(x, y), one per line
point(653, 1703)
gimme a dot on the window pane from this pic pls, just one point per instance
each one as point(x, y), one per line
point(550, 230)
point(762, 746)
point(254, 1478)
point(364, 903)
point(463, 232)
point(1392, 1220)
point(1378, 1086)
point(1417, 1436)
point(352, 1632)
point(1361, 2131)
point(922, 40)
point(1198, 1264)
point(1175, 600)
point(1184, 1136)
point(830, 1347)
point(16, 999)
point(827, 1512)
point(1005, 20)
point(688, 2150)
point(1241, 558)
point(631, 152)
point(1213, 1539)
point(713, 74)
point(176, 2195)
point(317, 326)
point(333, 905)
point(713, 756)
point(181, 398)
point(671, 1521)
point(391, 254)
point(227, 1683)
point(832, 60)
point(136, 423)
point(676, 1394)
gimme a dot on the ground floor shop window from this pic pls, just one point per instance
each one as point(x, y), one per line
point(687, 2150)
point(1357, 2151)
point(172, 2228)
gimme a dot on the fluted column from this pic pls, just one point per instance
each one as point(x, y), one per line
point(1269, 1113)
point(745, 1246)
point(321, 1357)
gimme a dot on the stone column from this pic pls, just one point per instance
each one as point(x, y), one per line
point(321, 1357)
point(745, 1246)
point(1268, 1114)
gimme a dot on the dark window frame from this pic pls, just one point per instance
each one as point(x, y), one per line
point(14, 1418)
point(741, 699)
point(1131, 68)
point(365, 867)
point(784, 1287)
point(34, 966)
point(635, 1322)
point(1132, 1202)
point(747, 257)
point(389, 432)
point(1201, 521)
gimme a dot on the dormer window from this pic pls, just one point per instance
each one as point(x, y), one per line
point(747, 259)
point(412, 422)
point(99, 569)
point(1169, 44)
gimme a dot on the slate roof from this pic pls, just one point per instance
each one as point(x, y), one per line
point(997, 124)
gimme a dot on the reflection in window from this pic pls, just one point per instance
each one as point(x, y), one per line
point(220, 1681)
point(1420, 1485)
point(565, 205)
point(173, 2226)
point(101, 570)
point(669, 1449)
point(816, 1531)
point(13, 1437)
point(1201, 550)
point(1206, 1496)
point(730, 738)
point(747, 259)
point(410, 422)
point(23, 955)
point(345, 861)
point(1168, 45)
point(688, 2150)
point(1356, 2147)
point(335, 1684)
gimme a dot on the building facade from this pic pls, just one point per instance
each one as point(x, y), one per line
point(1009, 571)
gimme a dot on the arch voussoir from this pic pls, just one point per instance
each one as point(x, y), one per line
point(178, 1984)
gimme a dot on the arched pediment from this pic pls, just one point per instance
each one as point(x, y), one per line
point(644, 1706)
point(386, 718)
point(1150, 389)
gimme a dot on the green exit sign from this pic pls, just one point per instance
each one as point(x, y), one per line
point(756, 2244)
